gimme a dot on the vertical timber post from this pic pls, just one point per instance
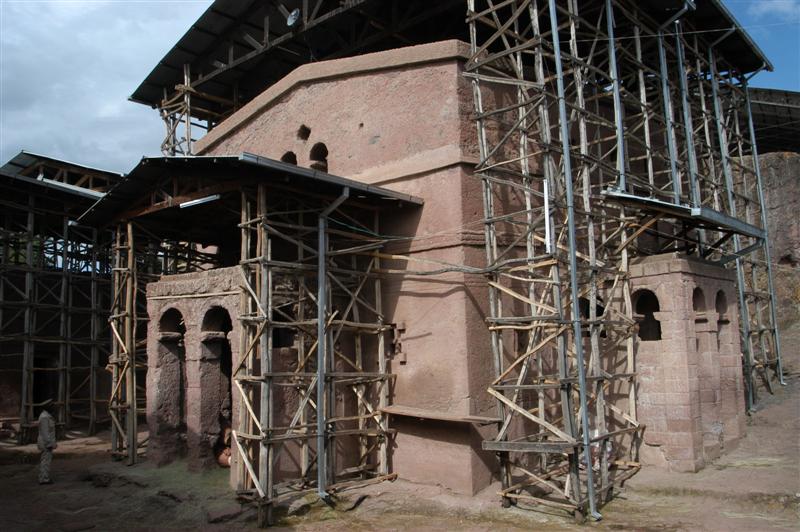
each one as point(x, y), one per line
point(322, 345)
point(131, 407)
point(265, 455)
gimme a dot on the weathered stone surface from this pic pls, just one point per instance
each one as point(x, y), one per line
point(690, 381)
point(780, 173)
point(186, 397)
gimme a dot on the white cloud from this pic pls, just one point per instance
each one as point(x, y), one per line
point(786, 10)
point(68, 67)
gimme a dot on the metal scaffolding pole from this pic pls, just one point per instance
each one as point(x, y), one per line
point(573, 258)
point(722, 136)
point(548, 255)
point(773, 328)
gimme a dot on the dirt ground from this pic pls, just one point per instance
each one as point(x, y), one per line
point(754, 487)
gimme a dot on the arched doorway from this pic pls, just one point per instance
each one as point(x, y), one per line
point(650, 364)
point(723, 320)
point(173, 384)
point(700, 320)
point(217, 359)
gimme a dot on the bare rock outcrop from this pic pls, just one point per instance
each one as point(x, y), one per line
point(780, 173)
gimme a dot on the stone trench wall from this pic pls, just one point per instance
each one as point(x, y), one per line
point(780, 173)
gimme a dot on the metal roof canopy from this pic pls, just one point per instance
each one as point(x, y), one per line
point(52, 200)
point(26, 159)
point(221, 170)
point(14, 168)
point(738, 49)
point(52, 187)
point(699, 216)
point(776, 119)
point(227, 41)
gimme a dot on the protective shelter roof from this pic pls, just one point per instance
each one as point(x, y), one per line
point(26, 159)
point(132, 197)
point(228, 47)
point(32, 169)
point(48, 186)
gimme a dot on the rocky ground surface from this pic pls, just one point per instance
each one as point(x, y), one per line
point(755, 486)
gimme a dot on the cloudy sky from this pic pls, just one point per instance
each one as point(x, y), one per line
point(67, 68)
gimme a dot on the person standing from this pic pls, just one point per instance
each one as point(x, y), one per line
point(46, 442)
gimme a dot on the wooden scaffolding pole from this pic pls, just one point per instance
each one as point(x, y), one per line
point(321, 290)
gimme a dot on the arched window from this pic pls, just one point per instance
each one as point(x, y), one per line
point(319, 157)
point(723, 321)
point(721, 303)
point(172, 322)
point(700, 318)
point(584, 306)
point(217, 319)
point(698, 300)
point(289, 157)
point(645, 306)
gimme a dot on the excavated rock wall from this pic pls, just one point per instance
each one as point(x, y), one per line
point(780, 173)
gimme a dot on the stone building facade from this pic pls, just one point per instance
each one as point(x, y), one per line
point(402, 119)
point(366, 111)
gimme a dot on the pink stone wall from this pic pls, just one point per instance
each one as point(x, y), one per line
point(403, 111)
point(690, 392)
point(402, 119)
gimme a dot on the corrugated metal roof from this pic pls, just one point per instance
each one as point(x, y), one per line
point(245, 167)
point(26, 159)
point(52, 186)
point(240, 24)
point(739, 49)
point(13, 170)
